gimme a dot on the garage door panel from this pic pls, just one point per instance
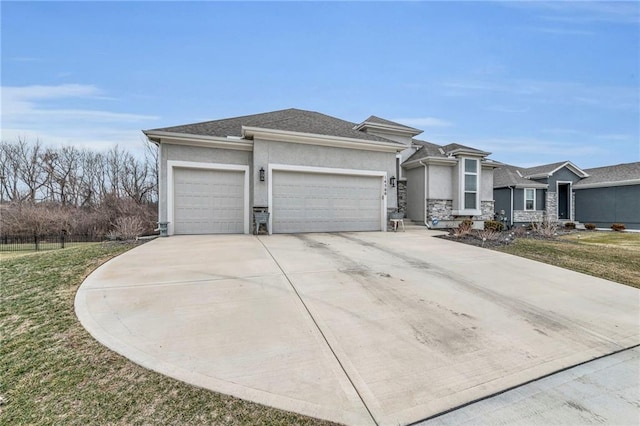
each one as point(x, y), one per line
point(208, 201)
point(318, 202)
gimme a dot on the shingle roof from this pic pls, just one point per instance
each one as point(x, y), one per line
point(294, 120)
point(427, 149)
point(507, 175)
point(378, 120)
point(456, 146)
point(543, 169)
point(611, 174)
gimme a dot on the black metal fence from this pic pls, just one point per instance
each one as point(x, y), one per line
point(44, 242)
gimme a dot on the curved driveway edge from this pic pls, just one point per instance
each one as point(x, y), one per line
point(338, 326)
point(218, 313)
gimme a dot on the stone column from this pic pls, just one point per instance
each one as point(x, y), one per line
point(551, 203)
point(402, 196)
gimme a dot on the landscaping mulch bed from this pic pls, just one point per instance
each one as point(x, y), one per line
point(503, 238)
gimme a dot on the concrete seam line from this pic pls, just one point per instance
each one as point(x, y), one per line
point(521, 384)
point(319, 330)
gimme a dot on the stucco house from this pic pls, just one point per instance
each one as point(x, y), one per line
point(312, 173)
point(564, 192)
point(448, 183)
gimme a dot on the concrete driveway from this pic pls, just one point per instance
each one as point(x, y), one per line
point(358, 328)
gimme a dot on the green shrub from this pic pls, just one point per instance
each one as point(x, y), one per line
point(493, 225)
point(590, 226)
point(570, 225)
point(618, 227)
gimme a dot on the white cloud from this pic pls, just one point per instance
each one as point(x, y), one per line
point(43, 112)
point(583, 12)
point(585, 135)
point(561, 31)
point(507, 109)
point(423, 122)
point(523, 145)
point(556, 92)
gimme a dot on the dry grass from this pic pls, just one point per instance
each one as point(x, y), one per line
point(613, 256)
point(54, 372)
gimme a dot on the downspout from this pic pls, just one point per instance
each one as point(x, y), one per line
point(426, 195)
point(511, 212)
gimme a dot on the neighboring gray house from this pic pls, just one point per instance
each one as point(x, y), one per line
point(563, 192)
point(310, 171)
point(609, 195)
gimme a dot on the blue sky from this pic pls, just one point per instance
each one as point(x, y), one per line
point(531, 82)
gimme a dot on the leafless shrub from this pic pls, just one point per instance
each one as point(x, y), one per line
point(520, 231)
point(28, 219)
point(126, 228)
point(487, 235)
point(545, 228)
point(464, 229)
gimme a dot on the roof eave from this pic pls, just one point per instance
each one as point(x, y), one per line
point(442, 161)
point(470, 152)
point(386, 127)
point(568, 164)
point(627, 182)
point(157, 137)
point(322, 140)
point(490, 163)
point(521, 185)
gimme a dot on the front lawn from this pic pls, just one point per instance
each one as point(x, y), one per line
point(613, 256)
point(54, 372)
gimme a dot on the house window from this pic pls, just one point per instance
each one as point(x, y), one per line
point(470, 183)
point(529, 199)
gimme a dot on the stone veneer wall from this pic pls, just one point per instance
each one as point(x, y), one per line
point(528, 216)
point(487, 208)
point(402, 196)
point(551, 206)
point(439, 209)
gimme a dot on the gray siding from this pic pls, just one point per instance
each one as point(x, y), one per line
point(415, 193)
point(604, 206)
point(502, 197)
point(562, 175)
point(518, 199)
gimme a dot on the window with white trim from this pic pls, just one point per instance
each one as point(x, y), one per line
point(529, 199)
point(470, 184)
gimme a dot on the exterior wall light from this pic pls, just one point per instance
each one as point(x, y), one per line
point(261, 174)
point(392, 181)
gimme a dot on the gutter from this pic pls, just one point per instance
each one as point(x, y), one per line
point(426, 194)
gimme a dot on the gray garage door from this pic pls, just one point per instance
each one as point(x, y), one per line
point(208, 201)
point(318, 202)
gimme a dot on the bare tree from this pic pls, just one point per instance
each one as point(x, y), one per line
point(67, 188)
point(9, 172)
point(62, 166)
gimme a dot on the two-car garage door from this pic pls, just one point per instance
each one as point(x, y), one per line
point(208, 201)
point(215, 201)
point(325, 202)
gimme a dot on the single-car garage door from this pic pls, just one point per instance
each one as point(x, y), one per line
point(322, 202)
point(208, 201)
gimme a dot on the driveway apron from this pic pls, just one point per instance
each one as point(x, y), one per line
point(359, 328)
